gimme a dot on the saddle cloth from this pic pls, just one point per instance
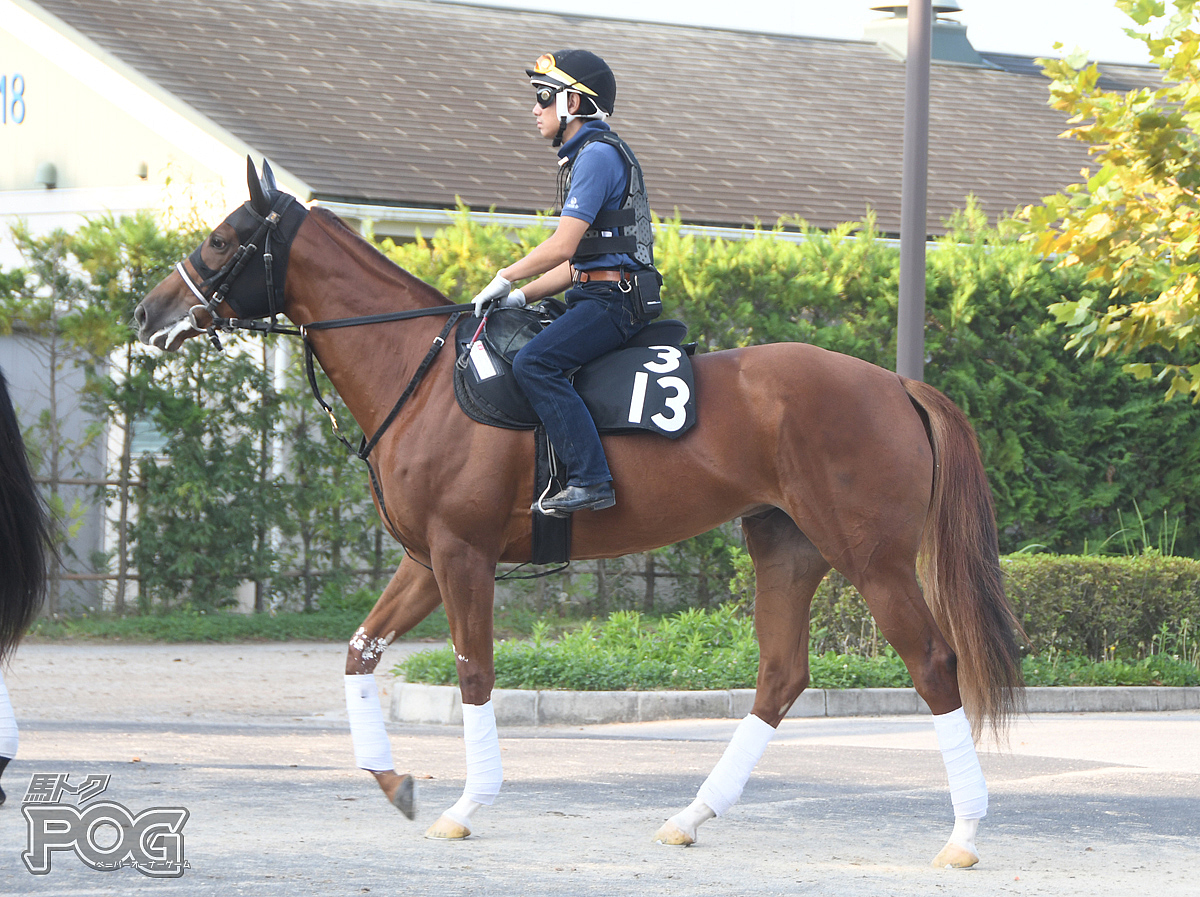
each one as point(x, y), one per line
point(645, 385)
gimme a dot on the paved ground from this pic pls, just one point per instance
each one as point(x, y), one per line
point(252, 740)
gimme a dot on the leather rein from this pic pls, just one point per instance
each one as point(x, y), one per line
point(219, 283)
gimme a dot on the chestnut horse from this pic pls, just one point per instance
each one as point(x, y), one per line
point(830, 462)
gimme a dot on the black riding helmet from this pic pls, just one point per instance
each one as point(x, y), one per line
point(576, 71)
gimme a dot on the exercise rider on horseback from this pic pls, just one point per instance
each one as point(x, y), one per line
point(602, 250)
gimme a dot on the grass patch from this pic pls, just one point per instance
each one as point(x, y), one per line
point(706, 650)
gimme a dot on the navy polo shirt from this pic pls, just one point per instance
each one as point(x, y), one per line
point(598, 180)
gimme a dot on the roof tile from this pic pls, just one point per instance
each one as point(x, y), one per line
point(396, 101)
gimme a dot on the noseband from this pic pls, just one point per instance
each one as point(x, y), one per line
point(215, 286)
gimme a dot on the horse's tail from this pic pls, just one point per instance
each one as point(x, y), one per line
point(959, 566)
point(24, 533)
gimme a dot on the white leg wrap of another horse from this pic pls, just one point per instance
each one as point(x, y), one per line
point(724, 784)
point(968, 790)
point(8, 724)
point(485, 773)
point(372, 749)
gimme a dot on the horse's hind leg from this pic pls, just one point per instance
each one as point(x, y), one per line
point(894, 597)
point(787, 570)
point(410, 596)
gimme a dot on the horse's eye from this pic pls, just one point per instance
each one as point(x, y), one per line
point(217, 243)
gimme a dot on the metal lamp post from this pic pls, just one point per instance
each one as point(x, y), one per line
point(910, 322)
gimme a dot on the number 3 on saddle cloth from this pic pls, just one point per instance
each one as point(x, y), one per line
point(644, 385)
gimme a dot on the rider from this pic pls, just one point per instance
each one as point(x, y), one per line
point(603, 240)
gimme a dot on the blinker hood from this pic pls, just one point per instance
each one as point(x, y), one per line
point(266, 223)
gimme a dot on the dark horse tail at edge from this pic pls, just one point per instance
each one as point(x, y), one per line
point(960, 569)
point(24, 533)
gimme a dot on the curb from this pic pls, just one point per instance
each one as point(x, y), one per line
point(442, 704)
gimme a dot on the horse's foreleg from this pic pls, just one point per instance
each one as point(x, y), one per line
point(410, 596)
point(905, 621)
point(788, 569)
point(469, 586)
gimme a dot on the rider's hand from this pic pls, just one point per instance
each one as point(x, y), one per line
point(498, 289)
point(515, 299)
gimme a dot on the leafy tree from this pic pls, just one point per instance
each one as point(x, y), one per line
point(53, 300)
point(206, 517)
point(123, 259)
point(333, 528)
point(1134, 224)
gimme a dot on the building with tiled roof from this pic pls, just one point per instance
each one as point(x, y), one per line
point(394, 109)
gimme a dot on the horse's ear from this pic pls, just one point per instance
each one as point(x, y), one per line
point(258, 197)
point(268, 178)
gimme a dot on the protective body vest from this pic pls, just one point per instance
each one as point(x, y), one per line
point(635, 236)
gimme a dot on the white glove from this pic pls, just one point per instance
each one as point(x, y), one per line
point(497, 289)
point(515, 299)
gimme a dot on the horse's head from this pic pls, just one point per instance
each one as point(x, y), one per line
point(237, 273)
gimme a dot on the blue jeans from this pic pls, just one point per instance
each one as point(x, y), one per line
point(599, 318)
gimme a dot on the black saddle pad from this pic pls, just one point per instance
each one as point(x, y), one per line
point(646, 384)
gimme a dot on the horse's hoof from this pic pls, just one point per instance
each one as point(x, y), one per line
point(672, 835)
point(402, 797)
point(954, 856)
point(446, 829)
point(398, 790)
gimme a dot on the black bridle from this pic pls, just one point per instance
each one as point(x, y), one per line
point(280, 224)
point(217, 287)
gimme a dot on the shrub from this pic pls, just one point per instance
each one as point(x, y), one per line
point(1094, 607)
point(1102, 607)
point(702, 650)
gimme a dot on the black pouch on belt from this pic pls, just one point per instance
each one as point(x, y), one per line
point(646, 285)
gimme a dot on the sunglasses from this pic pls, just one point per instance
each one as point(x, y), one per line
point(544, 96)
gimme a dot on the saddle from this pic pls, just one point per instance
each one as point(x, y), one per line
point(645, 384)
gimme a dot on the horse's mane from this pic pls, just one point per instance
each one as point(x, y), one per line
point(374, 260)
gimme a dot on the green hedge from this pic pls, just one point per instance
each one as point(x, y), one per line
point(1104, 607)
point(1093, 607)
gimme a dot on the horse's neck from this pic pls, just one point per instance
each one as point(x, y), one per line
point(333, 275)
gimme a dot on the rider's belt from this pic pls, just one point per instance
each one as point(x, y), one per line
point(609, 274)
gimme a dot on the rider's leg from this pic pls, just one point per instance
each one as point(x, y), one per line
point(599, 320)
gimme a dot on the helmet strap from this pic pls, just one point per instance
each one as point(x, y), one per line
point(564, 117)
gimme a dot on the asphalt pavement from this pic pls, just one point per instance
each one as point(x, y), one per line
point(252, 741)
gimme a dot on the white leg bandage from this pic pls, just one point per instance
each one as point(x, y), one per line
point(724, 784)
point(372, 750)
point(8, 724)
point(968, 790)
point(484, 770)
point(485, 773)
